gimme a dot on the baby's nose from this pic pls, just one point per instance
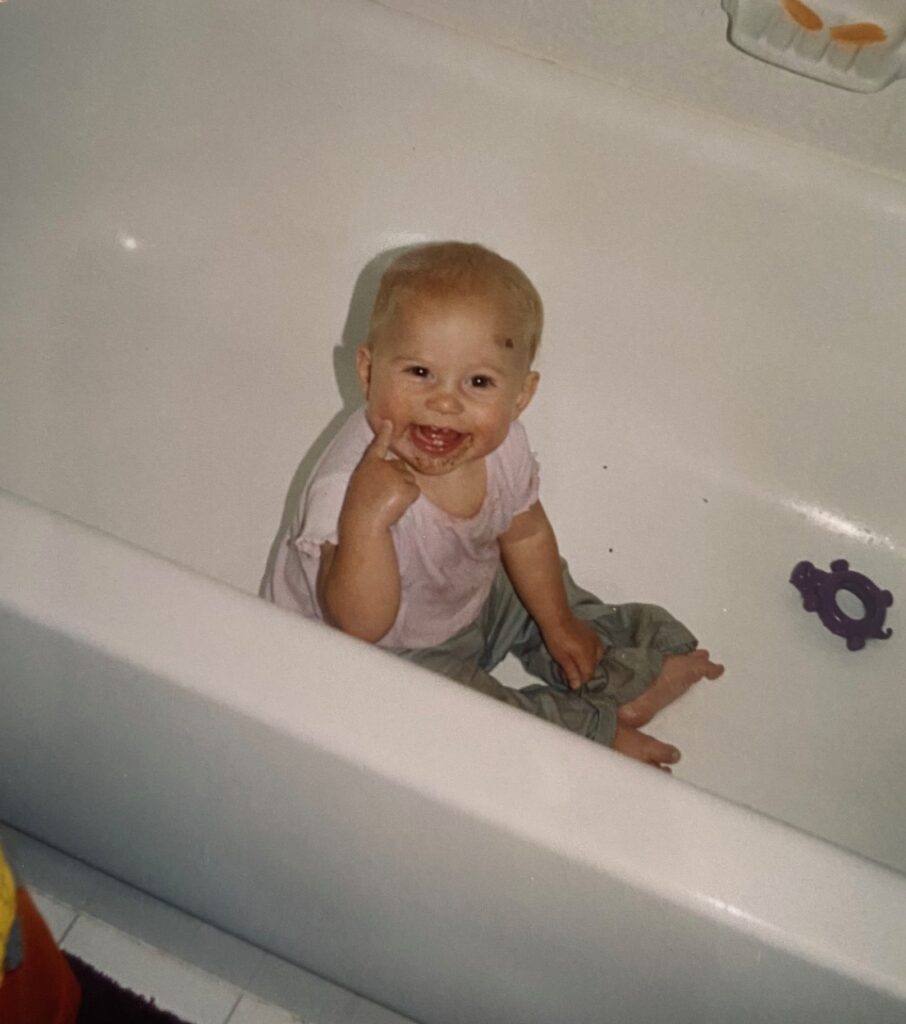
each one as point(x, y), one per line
point(445, 401)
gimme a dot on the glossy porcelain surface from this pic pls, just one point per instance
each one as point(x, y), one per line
point(194, 194)
point(682, 55)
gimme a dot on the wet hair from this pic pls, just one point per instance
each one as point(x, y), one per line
point(449, 269)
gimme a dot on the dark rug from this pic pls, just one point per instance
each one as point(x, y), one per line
point(105, 1002)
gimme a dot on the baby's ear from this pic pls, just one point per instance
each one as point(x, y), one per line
point(363, 357)
point(529, 387)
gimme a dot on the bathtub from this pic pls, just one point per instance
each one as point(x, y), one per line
point(197, 200)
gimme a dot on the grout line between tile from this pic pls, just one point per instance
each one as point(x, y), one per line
point(174, 984)
point(283, 986)
point(232, 1012)
point(69, 928)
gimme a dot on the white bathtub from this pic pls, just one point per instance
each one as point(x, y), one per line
point(193, 194)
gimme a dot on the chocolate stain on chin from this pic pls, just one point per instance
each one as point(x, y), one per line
point(430, 464)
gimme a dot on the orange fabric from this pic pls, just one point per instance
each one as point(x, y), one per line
point(42, 989)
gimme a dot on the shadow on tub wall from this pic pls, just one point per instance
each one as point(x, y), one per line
point(354, 331)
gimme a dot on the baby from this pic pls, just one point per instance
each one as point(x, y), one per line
point(421, 529)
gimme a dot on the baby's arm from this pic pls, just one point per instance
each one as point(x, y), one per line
point(532, 561)
point(359, 579)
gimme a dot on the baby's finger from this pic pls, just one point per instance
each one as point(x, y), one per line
point(591, 660)
point(403, 469)
point(380, 446)
point(572, 672)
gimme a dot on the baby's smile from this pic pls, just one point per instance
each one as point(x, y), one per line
point(435, 440)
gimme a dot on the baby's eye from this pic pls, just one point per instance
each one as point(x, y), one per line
point(480, 381)
point(417, 371)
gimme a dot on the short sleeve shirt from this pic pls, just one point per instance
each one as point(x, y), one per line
point(447, 564)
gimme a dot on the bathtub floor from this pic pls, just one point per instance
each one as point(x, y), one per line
point(189, 968)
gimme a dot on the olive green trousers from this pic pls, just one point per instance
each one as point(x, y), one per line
point(635, 636)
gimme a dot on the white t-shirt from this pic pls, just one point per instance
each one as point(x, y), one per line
point(447, 564)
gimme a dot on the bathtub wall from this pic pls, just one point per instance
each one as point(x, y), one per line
point(195, 195)
point(679, 54)
point(458, 863)
point(192, 194)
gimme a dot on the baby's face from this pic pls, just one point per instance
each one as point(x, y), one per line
point(451, 375)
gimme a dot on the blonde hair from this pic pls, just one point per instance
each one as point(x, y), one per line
point(444, 269)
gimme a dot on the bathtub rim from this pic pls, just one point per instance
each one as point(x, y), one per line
point(725, 848)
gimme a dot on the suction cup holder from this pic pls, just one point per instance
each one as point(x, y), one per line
point(819, 591)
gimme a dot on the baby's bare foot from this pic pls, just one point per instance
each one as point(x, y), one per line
point(679, 672)
point(643, 747)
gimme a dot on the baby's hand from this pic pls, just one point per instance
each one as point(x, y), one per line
point(576, 648)
point(381, 487)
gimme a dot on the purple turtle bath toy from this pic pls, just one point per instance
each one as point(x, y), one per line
point(819, 591)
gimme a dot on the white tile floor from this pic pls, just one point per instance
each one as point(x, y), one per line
point(189, 968)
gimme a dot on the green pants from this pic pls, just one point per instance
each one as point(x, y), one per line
point(636, 638)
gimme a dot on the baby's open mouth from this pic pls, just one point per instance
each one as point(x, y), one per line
point(435, 440)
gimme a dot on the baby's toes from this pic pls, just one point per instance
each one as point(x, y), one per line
point(657, 753)
point(709, 669)
point(714, 670)
point(681, 671)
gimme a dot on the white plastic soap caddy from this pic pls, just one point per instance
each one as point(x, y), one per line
point(854, 44)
